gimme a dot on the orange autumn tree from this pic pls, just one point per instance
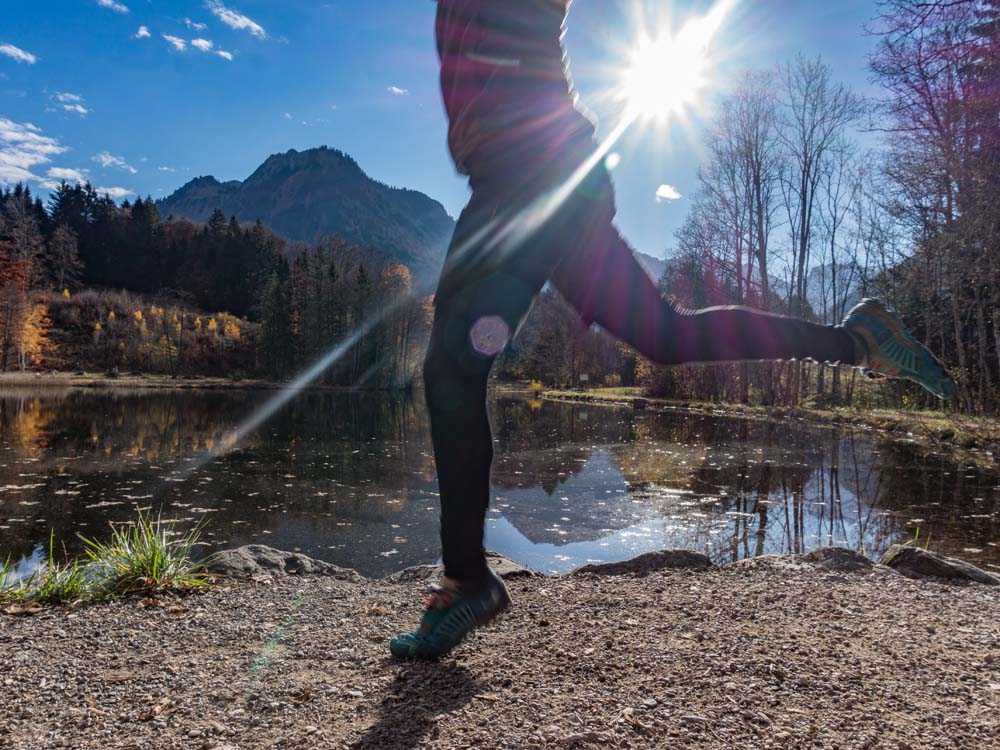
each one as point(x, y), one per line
point(33, 340)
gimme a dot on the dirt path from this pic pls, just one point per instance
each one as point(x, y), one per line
point(773, 653)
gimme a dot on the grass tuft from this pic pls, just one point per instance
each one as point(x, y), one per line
point(145, 555)
point(53, 583)
point(7, 584)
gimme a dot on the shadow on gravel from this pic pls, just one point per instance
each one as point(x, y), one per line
point(420, 694)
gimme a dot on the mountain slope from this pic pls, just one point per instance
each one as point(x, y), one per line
point(311, 194)
point(652, 265)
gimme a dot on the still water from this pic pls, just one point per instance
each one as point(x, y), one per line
point(349, 478)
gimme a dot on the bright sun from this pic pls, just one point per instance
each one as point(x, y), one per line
point(664, 78)
point(667, 73)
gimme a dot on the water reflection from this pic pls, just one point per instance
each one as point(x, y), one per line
point(350, 479)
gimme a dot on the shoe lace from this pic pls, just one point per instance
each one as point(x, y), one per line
point(437, 597)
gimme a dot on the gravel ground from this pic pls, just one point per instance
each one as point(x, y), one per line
point(772, 653)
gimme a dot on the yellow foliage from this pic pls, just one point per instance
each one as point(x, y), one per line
point(212, 325)
point(138, 316)
point(97, 326)
point(34, 339)
point(536, 386)
point(66, 293)
point(197, 323)
point(111, 315)
point(231, 329)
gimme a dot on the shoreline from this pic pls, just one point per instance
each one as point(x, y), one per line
point(816, 651)
point(980, 436)
point(972, 437)
point(144, 381)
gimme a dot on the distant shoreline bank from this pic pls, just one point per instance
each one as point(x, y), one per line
point(977, 437)
point(56, 379)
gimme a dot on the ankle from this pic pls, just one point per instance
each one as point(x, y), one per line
point(861, 353)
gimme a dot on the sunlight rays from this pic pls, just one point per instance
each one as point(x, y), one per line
point(665, 75)
point(668, 70)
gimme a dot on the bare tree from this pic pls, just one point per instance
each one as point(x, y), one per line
point(816, 114)
point(938, 64)
point(23, 235)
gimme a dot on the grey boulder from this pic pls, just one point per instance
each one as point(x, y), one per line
point(648, 563)
point(502, 566)
point(838, 560)
point(914, 562)
point(259, 559)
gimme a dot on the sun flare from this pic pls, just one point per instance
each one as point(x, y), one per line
point(668, 71)
point(665, 76)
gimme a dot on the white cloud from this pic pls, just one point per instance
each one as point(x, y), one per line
point(207, 45)
point(22, 147)
point(113, 5)
point(115, 192)
point(234, 19)
point(107, 160)
point(59, 174)
point(18, 54)
point(178, 44)
point(667, 193)
point(166, 169)
point(287, 115)
point(194, 25)
point(142, 33)
point(397, 91)
point(71, 102)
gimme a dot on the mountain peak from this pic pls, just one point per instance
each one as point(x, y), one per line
point(319, 192)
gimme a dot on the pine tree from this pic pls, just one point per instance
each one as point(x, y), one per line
point(63, 259)
point(276, 340)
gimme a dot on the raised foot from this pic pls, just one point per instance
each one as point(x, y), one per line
point(892, 352)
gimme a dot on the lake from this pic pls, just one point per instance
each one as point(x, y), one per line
point(349, 478)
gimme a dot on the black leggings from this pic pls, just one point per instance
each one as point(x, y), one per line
point(504, 249)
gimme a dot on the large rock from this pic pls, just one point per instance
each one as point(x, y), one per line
point(259, 559)
point(914, 562)
point(839, 560)
point(649, 562)
point(503, 566)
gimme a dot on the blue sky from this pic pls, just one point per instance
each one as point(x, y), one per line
point(139, 96)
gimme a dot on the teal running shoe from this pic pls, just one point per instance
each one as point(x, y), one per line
point(448, 617)
point(891, 352)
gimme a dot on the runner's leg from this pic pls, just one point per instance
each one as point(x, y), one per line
point(605, 283)
point(477, 309)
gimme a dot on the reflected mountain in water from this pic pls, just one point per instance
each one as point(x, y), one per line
point(349, 478)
